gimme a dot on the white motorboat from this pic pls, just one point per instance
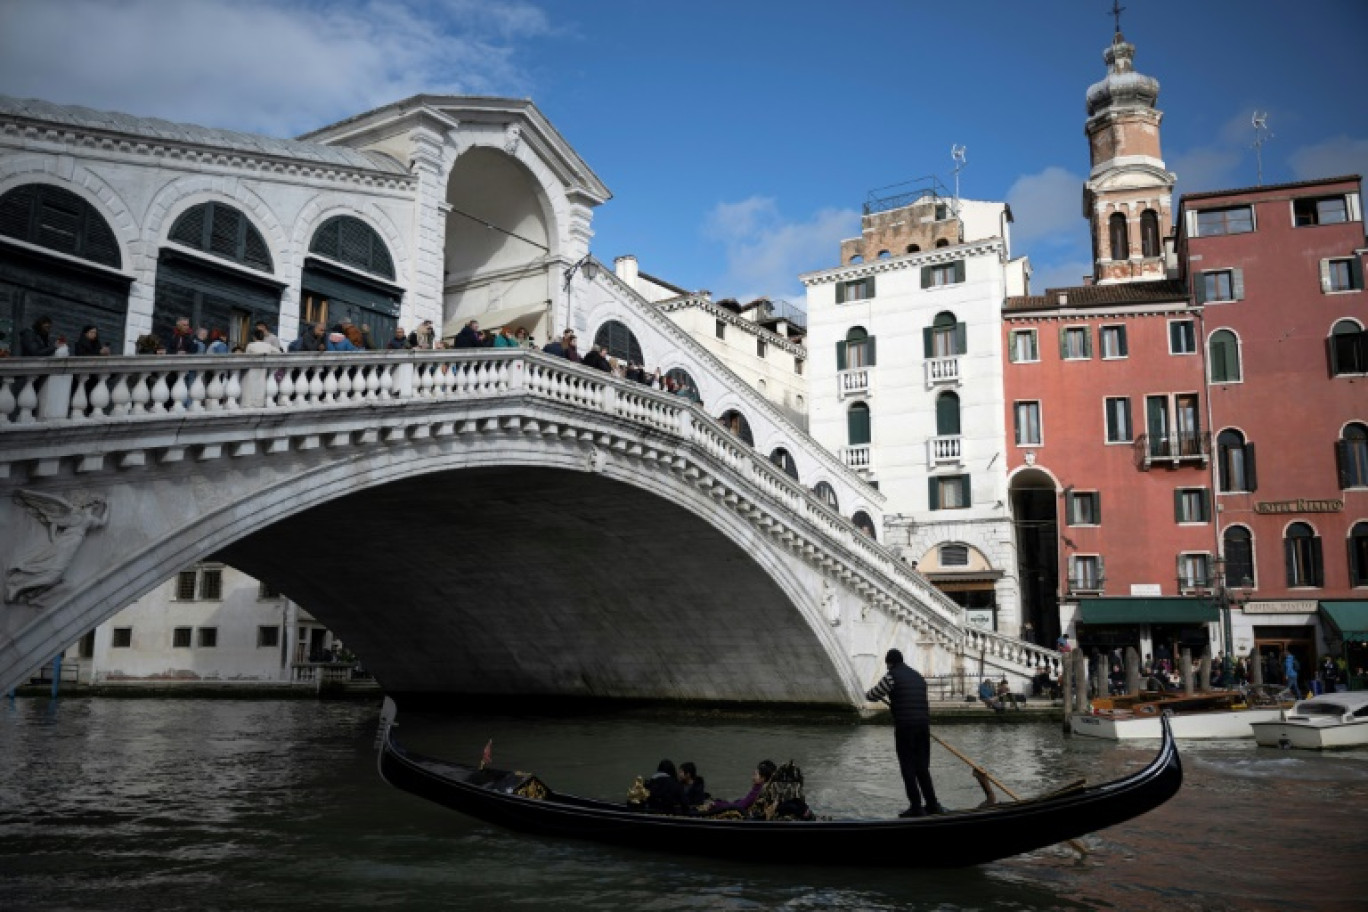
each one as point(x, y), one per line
point(1217, 715)
point(1328, 721)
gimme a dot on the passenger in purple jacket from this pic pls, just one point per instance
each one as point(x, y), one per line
point(763, 772)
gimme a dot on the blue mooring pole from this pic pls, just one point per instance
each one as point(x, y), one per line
point(56, 675)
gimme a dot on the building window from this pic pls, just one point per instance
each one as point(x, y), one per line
point(1085, 508)
point(943, 274)
point(1119, 427)
point(855, 350)
point(1325, 210)
point(1235, 463)
point(1302, 551)
point(1075, 343)
point(858, 290)
point(268, 637)
point(1173, 426)
point(349, 240)
point(947, 414)
point(222, 231)
point(1239, 556)
point(1120, 236)
point(1232, 220)
point(122, 638)
point(721, 329)
point(1352, 454)
point(1085, 573)
point(266, 591)
point(954, 555)
point(208, 637)
point(858, 424)
point(1344, 274)
point(619, 342)
point(760, 348)
point(1348, 346)
point(736, 422)
point(946, 337)
point(1023, 346)
point(1194, 571)
point(855, 260)
point(180, 637)
point(784, 460)
point(1220, 285)
point(1358, 554)
point(1027, 423)
point(883, 255)
point(797, 366)
point(827, 495)
point(942, 212)
point(1182, 337)
point(1192, 505)
point(1114, 342)
point(864, 524)
point(1149, 233)
point(1223, 357)
point(185, 585)
point(203, 583)
point(949, 492)
point(914, 248)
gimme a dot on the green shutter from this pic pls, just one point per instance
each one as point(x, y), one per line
point(961, 339)
point(1011, 347)
point(926, 277)
point(1356, 273)
point(933, 493)
point(1177, 505)
point(869, 352)
point(928, 345)
point(959, 270)
point(1251, 475)
point(1063, 343)
point(1121, 339)
point(869, 287)
point(1097, 507)
point(1199, 288)
point(1087, 342)
point(1206, 505)
point(841, 355)
point(1317, 562)
point(968, 493)
point(1237, 284)
point(840, 292)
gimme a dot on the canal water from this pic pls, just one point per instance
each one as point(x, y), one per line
point(143, 804)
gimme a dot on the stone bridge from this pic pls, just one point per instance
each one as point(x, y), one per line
point(482, 521)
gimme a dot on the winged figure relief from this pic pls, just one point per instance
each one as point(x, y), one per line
point(39, 565)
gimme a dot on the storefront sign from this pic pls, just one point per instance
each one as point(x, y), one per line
point(1290, 606)
point(980, 617)
point(1147, 589)
point(1298, 506)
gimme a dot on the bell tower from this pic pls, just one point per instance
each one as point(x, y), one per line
point(1128, 197)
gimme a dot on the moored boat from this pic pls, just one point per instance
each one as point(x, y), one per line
point(1211, 716)
point(1330, 721)
point(953, 839)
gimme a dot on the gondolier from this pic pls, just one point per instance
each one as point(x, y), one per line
point(904, 689)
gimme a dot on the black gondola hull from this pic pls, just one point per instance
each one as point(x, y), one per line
point(955, 839)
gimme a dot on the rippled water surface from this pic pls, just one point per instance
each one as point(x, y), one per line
point(209, 805)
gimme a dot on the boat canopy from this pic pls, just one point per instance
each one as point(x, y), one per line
point(1350, 618)
point(1140, 610)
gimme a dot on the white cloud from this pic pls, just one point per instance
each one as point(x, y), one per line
point(1331, 158)
point(274, 66)
point(765, 253)
point(1046, 210)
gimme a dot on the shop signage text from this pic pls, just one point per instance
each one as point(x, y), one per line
point(1298, 506)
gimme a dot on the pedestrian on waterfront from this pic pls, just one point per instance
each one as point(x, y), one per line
point(506, 339)
point(572, 349)
point(268, 337)
point(338, 341)
point(400, 341)
point(182, 339)
point(149, 345)
point(557, 346)
point(763, 771)
point(666, 793)
point(215, 342)
point(1062, 644)
point(1005, 695)
point(469, 336)
point(988, 695)
point(904, 689)
point(88, 343)
point(261, 343)
point(692, 783)
point(312, 339)
point(1290, 668)
point(1329, 675)
point(36, 341)
point(423, 336)
point(594, 358)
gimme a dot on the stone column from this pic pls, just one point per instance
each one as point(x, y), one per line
point(1185, 668)
point(1132, 670)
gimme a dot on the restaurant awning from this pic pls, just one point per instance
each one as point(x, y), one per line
point(1350, 618)
point(1137, 610)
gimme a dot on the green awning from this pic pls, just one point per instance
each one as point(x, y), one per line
point(1146, 611)
point(1349, 618)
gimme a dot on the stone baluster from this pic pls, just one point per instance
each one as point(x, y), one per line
point(8, 402)
point(79, 403)
point(329, 383)
point(197, 392)
point(159, 395)
point(316, 386)
point(179, 394)
point(343, 373)
point(121, 394)
point(213, 393)
point(100, 396)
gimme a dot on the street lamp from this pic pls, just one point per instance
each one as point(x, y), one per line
point(590, 267)
point(1224, 599)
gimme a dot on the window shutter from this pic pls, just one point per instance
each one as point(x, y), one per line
point(1178, 505)
point(1353, 205)
point(1356, 273)
point(1237, 283)
point(869, 351)
point(840, 292)
point(927, 345)
point(1012, 347)
point(1182, 580)
point(1317, 564)
point(1290, 561)
point(1101, 571)
point(1342, 462)
point(967, 491)
point(1063, 342)
point(869, 287)
point(1199, 288)
point(961, 339)
point(1072, 570)
point(1121, 341)
point(1087, 342)
point(959, 270)
point(1191, 217)
point(926, 277)
point(1206, 506)
point(933, 493)
point(1251, 476)
point(1325, 275)
point(1097, 507)
point(1332, 355)
point(841, 355)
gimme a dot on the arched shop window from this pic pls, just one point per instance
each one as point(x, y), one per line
point(619, 341)
point(736, 422)
point(784, 460)
point(864, 524)
point(826, 494)
point(364, 292)
point(350, 241)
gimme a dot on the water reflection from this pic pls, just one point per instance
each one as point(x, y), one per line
point(159, 805)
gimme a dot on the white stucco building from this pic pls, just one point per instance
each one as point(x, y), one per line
point(905, 383)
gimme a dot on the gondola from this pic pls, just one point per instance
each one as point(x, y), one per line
point(954, 839)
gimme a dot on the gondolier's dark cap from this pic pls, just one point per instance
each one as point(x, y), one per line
point(894, 657)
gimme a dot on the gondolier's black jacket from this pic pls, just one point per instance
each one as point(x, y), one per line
point(905, 689)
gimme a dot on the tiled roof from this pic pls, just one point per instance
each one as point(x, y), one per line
point(1207, 194)
point(1156, 292)
point(158, 129)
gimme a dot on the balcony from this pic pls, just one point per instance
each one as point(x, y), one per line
point(944, 450)
point(942, 371)
point(860, 458)
point(1086, 585)
point(1172, 449)
point(853, 382)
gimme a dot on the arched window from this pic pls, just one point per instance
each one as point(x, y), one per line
point(1358, 554)
point(947, 414)
point(618, 341)
point(857, 258)
point(1223, 356)
point(1235, 462)
point(943, 242)
point(736, 422)
point(945, 337)
point(856, 350)
point(678, 381)
point(1149, 233)
point(883, 255)
point(827, 495)
point(1120, 237)
point(857, 424)
point(1352, 453)
point(1238, 549)
point(58, 219)
point(350, 241)
point(222, 231)
point(784, 460)
point(864, 524)
point(1348, 345)
point(1302, 550)
point(914, 248)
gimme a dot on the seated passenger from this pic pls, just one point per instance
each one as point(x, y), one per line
point(763, 772)
point(692, 783)
point(665, 794)
point(988, 694)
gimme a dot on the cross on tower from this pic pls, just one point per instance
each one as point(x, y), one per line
point(1116, 10)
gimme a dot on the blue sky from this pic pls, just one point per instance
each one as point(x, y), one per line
point(740, 138)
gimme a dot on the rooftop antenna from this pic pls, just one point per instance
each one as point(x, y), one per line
point(957, 153)
point(1261, 135)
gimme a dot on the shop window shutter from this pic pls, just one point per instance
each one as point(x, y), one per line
point(959, 270)
point(869, 351)
point(1332, 355)
point(1101, 571)
point(933, 493)
point(1237, 283)
point(926, 276)
point(840, 292)
point(841, 355)
point(1251, 476)
point(1191, 217)
point(1121, 341)
point(961, 339)
point(928, 346)
point(1317, 564)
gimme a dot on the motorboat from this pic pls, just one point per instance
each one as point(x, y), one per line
point(1328, 721)
point(1217, 715)
point(959, 838)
